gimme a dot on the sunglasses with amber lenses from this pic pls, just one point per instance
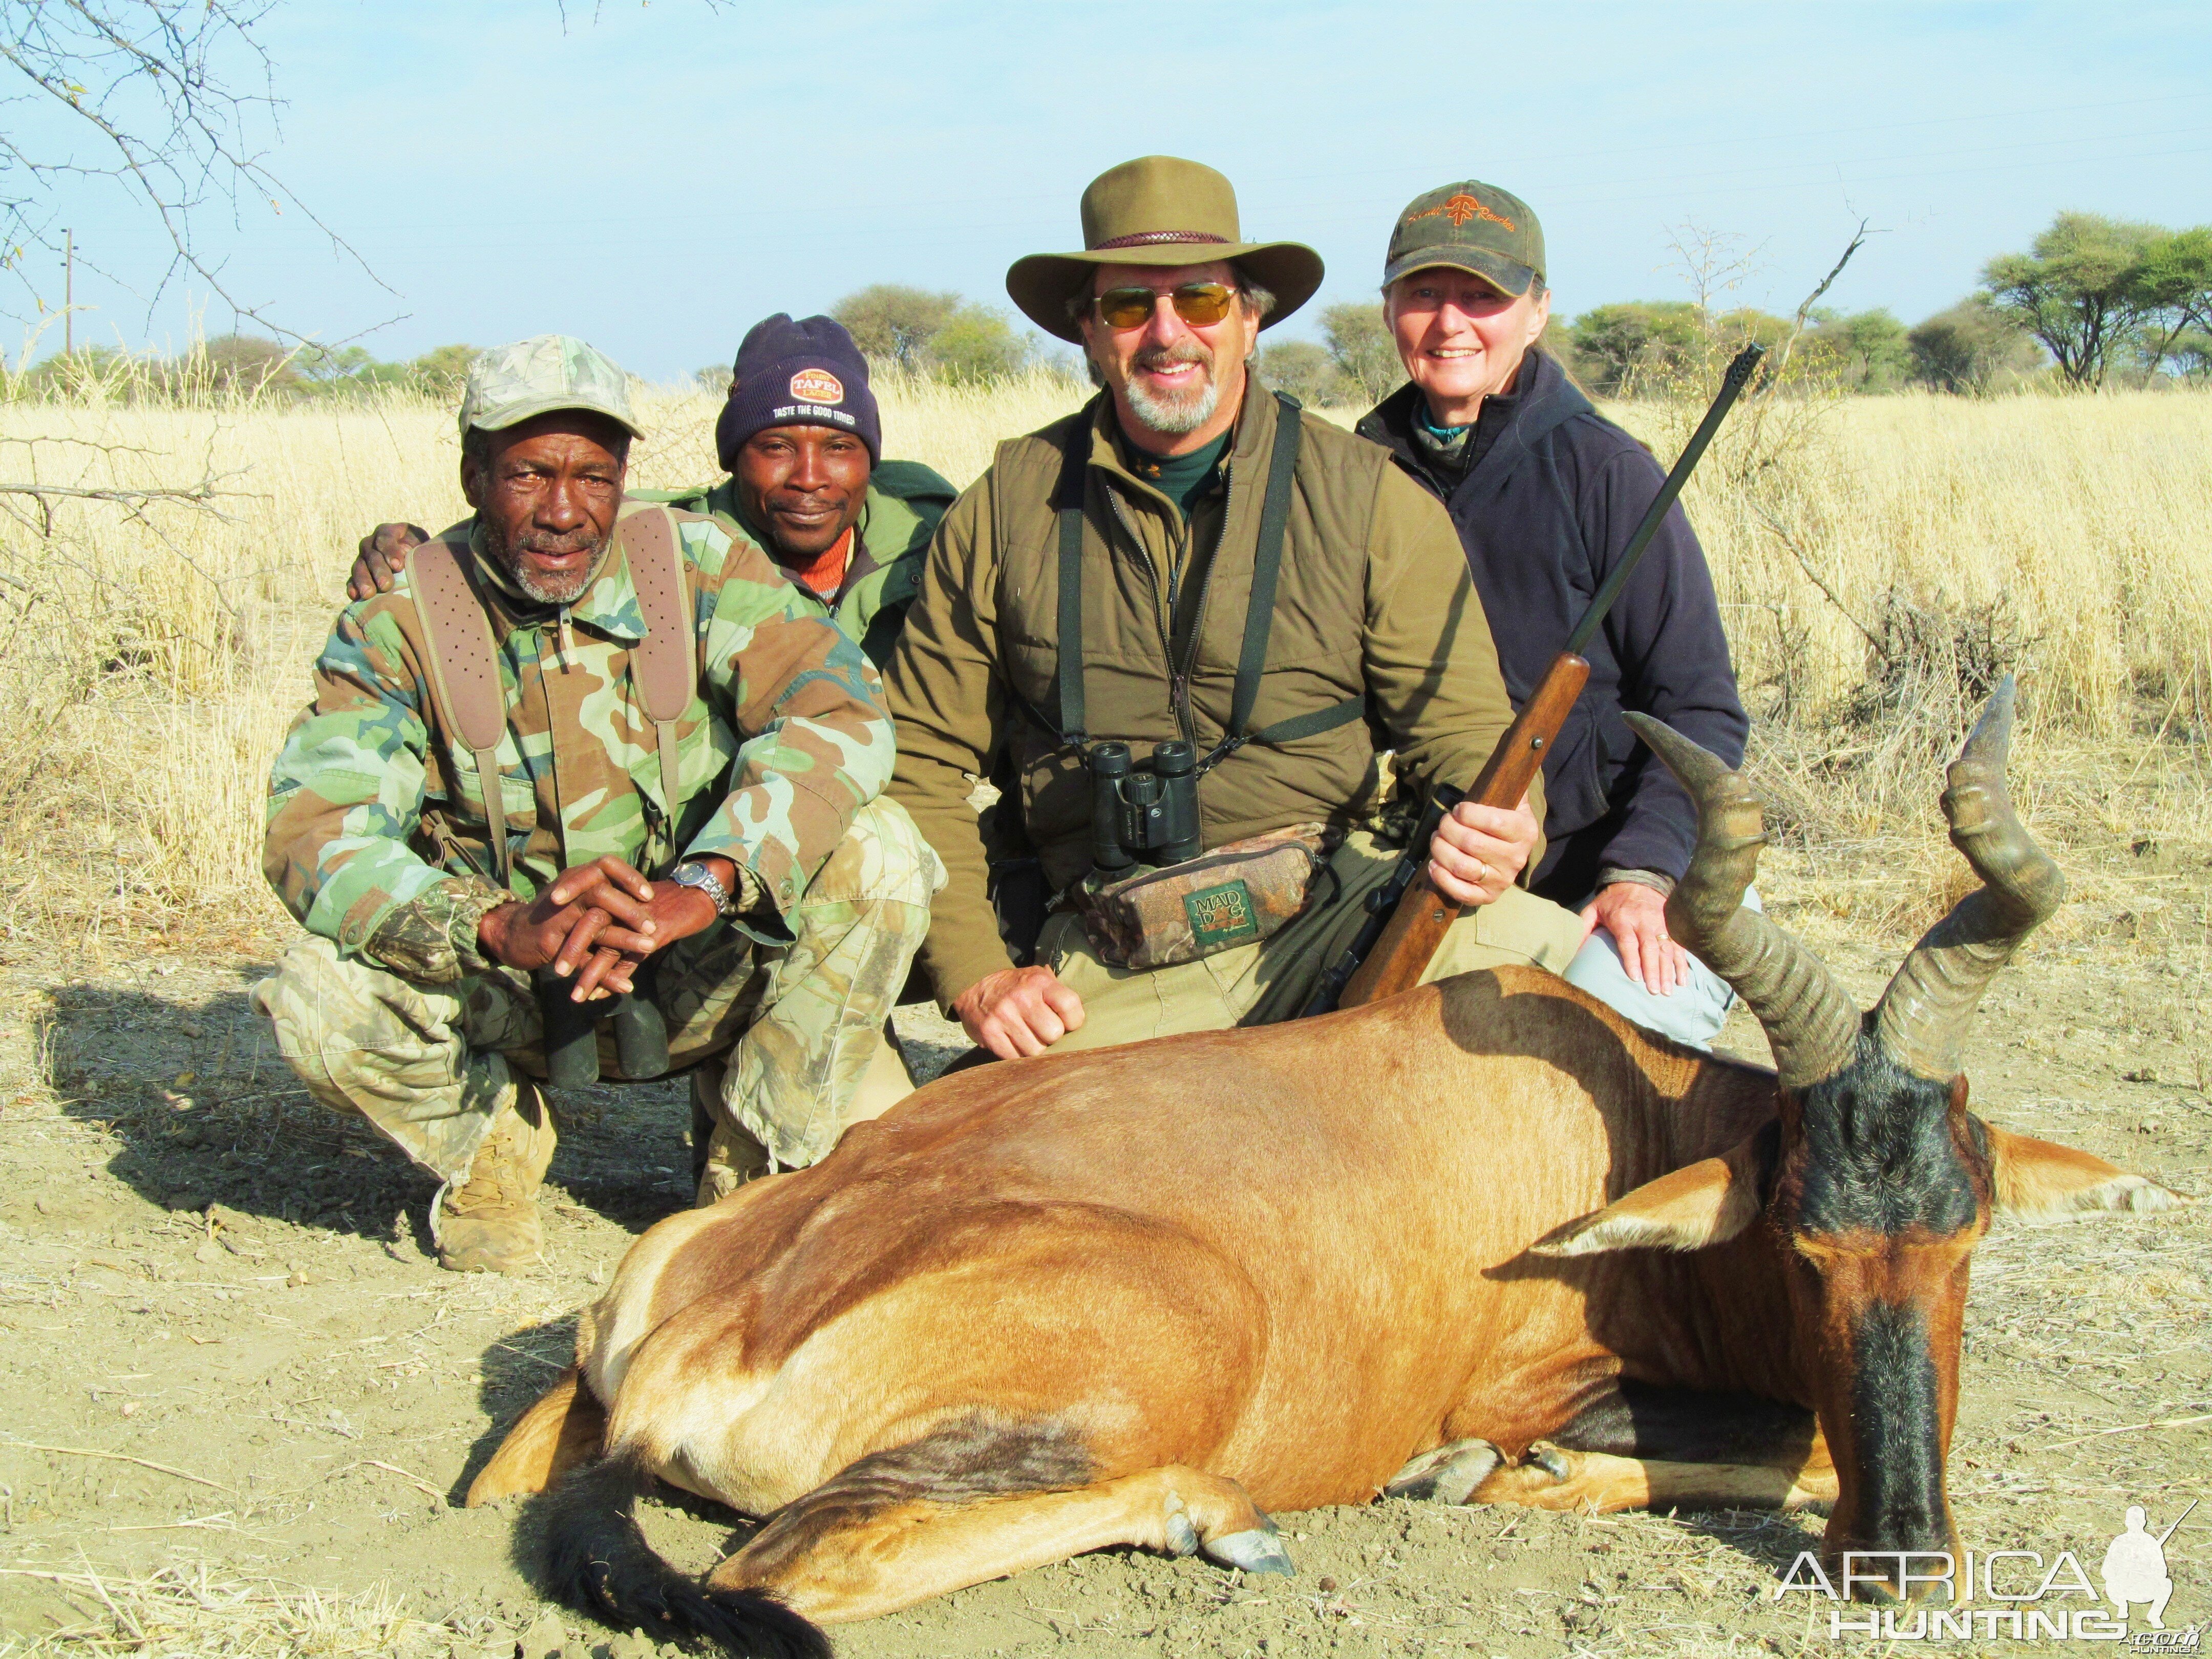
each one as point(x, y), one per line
point(1198, 304)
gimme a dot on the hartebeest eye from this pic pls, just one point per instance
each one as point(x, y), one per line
point(1888, 1264)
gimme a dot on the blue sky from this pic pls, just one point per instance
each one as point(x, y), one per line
point(659, 177)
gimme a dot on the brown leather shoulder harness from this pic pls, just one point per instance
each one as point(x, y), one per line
point(462, 656)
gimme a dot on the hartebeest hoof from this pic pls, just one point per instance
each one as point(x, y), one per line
point(1447, 1474)
point(1183, 1537)
point(1257, 1550)
point(1549, 1458)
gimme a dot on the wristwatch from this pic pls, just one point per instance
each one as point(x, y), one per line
point(691, 874)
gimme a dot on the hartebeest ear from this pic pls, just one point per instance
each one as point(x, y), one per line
point(1702, 1203)
point(2040, 1181)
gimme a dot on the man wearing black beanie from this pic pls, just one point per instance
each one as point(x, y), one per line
point(802, 441)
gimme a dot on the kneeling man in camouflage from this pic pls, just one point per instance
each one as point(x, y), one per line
point(687, 759)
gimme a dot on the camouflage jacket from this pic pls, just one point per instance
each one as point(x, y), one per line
point(905, 500)
point(375, 836)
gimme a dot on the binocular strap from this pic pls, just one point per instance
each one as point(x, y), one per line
point(1259, 613)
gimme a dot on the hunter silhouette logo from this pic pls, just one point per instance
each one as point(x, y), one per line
point(1996, 1594)
point(2135, 1567)
point(1459, 209)
point(818, 386)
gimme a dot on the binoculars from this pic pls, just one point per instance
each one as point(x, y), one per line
point(1143, 815)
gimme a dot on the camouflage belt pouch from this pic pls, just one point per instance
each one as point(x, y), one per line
point(1238, 894)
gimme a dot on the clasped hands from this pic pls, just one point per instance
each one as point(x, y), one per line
point(597, 923)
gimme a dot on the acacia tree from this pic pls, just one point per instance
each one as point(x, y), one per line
point(1302, 369)
point(2173, 285)
point(2078, 289)
point(1360, 345)
point(1970, 348)
point(1618, 345)
point(896, 323)
point(1866, 350)
point(977, 344)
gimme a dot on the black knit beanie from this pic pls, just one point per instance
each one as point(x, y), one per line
point(804, 373)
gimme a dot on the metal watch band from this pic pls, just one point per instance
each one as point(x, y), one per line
point(688, 874)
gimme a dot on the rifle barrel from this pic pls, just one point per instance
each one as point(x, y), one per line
point(1732, 385)
point(1383, 961)
point(2176, 1527)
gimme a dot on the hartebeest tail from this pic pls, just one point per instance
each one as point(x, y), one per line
point(597, 1557)
point(1482, 1242)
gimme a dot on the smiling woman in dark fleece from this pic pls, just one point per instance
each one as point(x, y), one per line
point(1545, 493)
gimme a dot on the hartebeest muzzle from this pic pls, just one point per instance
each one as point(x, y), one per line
point(1882, 1181)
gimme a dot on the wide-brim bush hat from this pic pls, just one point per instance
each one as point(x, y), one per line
point(1160, 210)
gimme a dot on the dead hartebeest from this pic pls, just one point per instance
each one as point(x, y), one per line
point(1483, 1240)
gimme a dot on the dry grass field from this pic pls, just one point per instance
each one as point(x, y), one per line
point(239, 1397)
point(1879, 561)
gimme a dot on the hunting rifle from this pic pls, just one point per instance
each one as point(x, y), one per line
point(1408, 918)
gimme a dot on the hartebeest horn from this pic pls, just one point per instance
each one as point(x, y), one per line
point(1810, 1020)
point(1923, 1016)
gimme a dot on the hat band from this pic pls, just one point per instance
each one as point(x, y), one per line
point(1147, 238)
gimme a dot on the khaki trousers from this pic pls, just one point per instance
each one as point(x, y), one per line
point(1125, 1004)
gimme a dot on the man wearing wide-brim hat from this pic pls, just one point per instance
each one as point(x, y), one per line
point(1156, 498)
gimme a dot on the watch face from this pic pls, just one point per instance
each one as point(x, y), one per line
point(697, 876)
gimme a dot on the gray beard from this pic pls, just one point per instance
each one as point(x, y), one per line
point(1181, 416)
point(563, 593)
point(1176, 416)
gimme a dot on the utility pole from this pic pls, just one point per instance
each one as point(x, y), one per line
point(68, 294)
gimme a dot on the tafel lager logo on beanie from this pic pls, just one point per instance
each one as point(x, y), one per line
point(807, 372)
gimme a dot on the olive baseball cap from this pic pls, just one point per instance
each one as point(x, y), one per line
point(510, 384)
point(1471, 227)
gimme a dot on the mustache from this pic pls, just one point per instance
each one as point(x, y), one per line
point(1182, 352)
point(553, 544)
point(828, 496)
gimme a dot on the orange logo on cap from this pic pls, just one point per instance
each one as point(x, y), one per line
point(818, 386)
point(1459, 209)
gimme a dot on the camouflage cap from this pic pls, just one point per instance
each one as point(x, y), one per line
point(1471, 227)
point(510, 384)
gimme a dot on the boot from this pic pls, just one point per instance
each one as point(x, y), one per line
point(723, 1156)
point(491, 1224)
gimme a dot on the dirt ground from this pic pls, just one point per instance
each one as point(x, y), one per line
point(240, 1401)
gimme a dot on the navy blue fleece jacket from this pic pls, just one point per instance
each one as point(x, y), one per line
point(1547, 508)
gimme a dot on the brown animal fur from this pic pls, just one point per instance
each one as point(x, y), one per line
point(566, 1427)
point(1209, 1273)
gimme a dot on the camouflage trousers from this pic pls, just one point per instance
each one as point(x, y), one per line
point(430, 1066)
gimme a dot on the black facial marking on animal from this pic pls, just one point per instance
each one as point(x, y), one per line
point(1878, 1154)
point(1897, 1427)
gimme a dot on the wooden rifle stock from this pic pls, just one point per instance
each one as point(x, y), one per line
point(1402, 952)
point(1416, 929)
